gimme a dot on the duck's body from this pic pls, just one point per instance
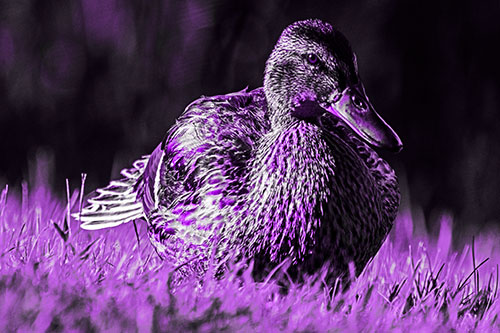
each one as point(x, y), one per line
point(252, 175)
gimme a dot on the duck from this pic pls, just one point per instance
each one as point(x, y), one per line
point(284, 172)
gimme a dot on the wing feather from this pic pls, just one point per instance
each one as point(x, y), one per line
point(116, 203)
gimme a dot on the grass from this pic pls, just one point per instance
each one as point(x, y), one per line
point(55, 276)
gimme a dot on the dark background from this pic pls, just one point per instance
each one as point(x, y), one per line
point(88, 86)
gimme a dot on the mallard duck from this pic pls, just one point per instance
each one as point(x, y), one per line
point(283, 171)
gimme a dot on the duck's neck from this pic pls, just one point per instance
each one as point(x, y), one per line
point(291, 181)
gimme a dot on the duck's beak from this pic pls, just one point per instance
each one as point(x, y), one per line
point(353, 107)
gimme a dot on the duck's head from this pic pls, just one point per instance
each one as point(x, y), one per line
point(312, 71)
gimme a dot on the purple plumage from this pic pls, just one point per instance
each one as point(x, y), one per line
point(283, 171)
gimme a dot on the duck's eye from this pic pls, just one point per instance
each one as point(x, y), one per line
point(358, 102)
point(312, 59)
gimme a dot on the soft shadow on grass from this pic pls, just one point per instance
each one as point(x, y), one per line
point(55, 276)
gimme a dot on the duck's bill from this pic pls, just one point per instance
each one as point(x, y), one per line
point(353, 108)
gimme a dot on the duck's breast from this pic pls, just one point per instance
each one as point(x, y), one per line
point(354, 226)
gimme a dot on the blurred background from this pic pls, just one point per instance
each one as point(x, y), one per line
point(90, 85)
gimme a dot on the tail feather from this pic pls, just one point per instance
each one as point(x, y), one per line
point(116, 203)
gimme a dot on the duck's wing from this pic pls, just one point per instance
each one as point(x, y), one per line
point(116, 203)
point(122, 200)
point(205, 155)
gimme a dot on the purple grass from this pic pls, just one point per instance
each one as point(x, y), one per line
point(56, 280)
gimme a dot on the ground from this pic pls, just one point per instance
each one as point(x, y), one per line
point(55, 276)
